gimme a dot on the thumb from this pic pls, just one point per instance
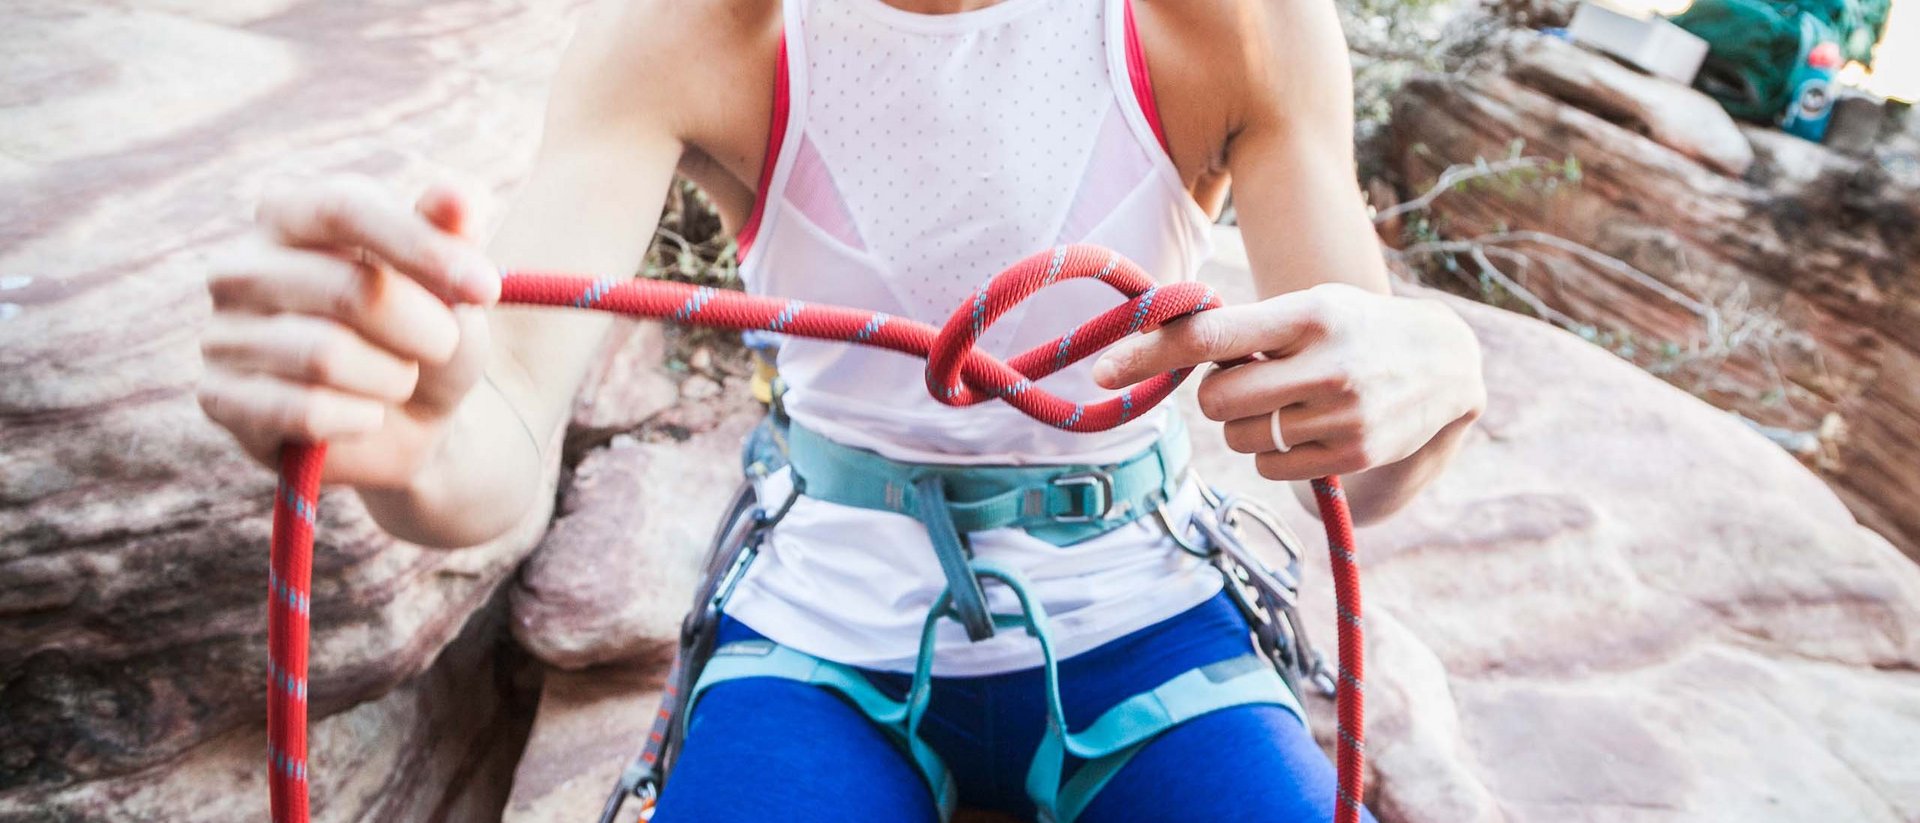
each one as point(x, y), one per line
point(443, 385)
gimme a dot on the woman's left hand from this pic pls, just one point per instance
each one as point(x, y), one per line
point(1354, 379)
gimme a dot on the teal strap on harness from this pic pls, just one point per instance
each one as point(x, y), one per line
point(1123, 730)
point(1112, 740)
point(1106, 745)
point(950, 548)
point(1062, 504)
point(762, 658)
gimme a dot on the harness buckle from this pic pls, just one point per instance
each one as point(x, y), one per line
point(1090, 493)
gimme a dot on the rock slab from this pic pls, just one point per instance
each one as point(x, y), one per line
point(133, 534)
point(591, 724)
point(612, 579)
point(1790, 294)
point(1619, 604)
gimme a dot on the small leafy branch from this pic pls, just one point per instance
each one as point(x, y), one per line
point(692, 246)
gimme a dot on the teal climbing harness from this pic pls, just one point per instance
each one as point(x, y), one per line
point(1045, 500)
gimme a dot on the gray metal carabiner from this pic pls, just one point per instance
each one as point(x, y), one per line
point(1179, 533)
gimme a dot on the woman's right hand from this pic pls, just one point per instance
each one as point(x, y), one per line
point(347, 318)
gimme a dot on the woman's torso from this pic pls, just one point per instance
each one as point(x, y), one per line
point(917, 155)
point(1192, 48)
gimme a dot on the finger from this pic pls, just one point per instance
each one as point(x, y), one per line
point(1310, 460)
point(1279, 326)
point(263, 411)
point(1258, 387)
point(393, 312)
point(443, 206)
point(309, 350)
point(356, 215)
point(1299, 426)
point(443, 385)
point(214, 401)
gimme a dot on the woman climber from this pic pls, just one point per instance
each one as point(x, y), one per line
point(890, 154)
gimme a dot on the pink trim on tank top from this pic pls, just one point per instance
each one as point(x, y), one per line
point(776, 135)
point(1142, 83)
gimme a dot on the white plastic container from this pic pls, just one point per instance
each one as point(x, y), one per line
point(1651, 43)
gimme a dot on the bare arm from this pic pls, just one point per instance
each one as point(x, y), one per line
point(349, 319)
point(606, 158)
point(1375, 387)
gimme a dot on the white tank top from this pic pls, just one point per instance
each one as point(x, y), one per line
point(920, 154)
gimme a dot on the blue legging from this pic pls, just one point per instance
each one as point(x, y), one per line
point(769, 749)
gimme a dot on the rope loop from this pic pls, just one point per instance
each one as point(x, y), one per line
point(960, 374)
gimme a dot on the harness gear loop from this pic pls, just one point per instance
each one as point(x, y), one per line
point(958, 373)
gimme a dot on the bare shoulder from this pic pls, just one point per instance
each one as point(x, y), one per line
point(698, 74)
point(1223, 66)
point(667, 59)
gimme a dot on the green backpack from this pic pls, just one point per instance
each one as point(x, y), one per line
point(1753, 46)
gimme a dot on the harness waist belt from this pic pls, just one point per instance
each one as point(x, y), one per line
point(1061, 504)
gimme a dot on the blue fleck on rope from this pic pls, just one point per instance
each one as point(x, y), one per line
point(1140, 309)
point(591, 297)
point(693, 305)
point(286, 681)
point(872, 327)
point(1053, 266)
point(285, 593)
point(302, 508)
point(793, 309)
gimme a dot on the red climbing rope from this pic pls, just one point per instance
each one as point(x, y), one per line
point(1350, 701)
point(957, 374)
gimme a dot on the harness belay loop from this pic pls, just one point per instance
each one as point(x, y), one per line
point(958, 373)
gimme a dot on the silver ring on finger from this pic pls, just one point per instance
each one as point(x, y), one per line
point(1273, 427)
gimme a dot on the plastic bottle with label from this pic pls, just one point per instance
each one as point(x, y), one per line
point(1811, 107)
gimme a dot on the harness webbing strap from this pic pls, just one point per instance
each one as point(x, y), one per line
point(1116, 736)
point(950, 547)
point(1061, 504)
point(1106, 745)
point(764, 658)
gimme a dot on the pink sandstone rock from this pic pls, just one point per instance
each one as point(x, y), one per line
point(1620, 604)
point(132, 532)
point(612, 578)
point(1808, 265)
